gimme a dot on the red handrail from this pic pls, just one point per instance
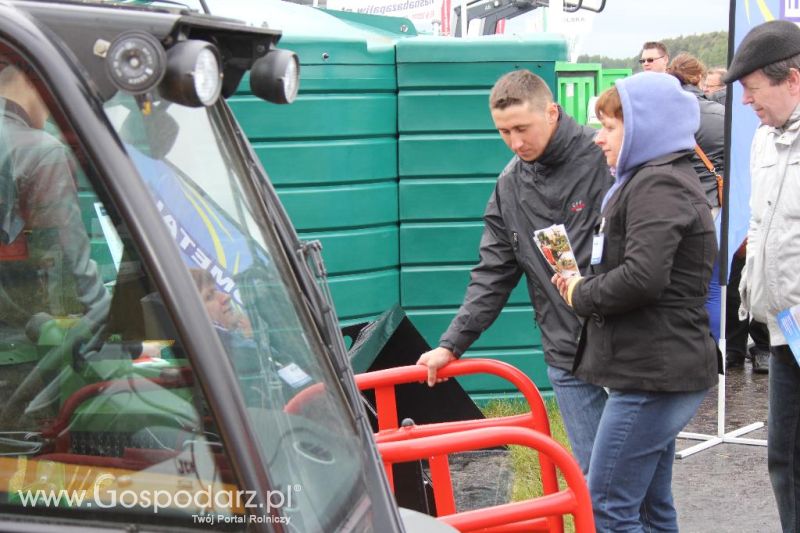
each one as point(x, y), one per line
point(517, 516)
point(384, 382)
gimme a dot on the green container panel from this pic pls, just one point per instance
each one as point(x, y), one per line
point(358, 250)
point(317, 116)
point(367, 294)
point(514, 328)
point(344, 206)
point(529, 361)
point(443, 111)
point(444, 199)
point(609, 75)
point(439, 244)
point(337, 78)
point(452, 155)
point(332, 154)
point(466, 75)
point(531, 48)
point(574, 93)
point(577, 84)
point(326, 162)
point(444, 286)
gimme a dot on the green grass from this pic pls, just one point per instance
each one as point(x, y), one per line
point(524, 462)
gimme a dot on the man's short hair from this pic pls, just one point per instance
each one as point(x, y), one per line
point(655, 44)
point(778, 71)
point(520, 87)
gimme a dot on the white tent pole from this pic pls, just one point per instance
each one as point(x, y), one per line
point(721, 436)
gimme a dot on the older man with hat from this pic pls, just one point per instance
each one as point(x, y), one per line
point(767, 64)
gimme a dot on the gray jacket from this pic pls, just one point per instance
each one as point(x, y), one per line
point(564, 186)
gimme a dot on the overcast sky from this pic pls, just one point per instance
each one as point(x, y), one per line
point(624, 25)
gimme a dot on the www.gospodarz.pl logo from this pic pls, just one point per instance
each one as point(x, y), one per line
point(202, 503)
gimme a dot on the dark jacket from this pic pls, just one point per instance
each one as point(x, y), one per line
point(711, 138)
point(648, 328)
point(564, 186)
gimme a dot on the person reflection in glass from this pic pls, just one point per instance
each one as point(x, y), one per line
point(44, 246)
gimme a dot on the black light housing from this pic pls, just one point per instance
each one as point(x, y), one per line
point(276, 76)
point(193, 75)
point(135, 62)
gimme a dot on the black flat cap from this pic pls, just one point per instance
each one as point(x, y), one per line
point(765, 44)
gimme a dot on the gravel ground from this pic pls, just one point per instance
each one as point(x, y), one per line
point(723, 489)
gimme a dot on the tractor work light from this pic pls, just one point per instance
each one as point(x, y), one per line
point(276, 76)
point(193, 76)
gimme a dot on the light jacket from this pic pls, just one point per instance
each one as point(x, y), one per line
point(647, 326)
point(771, 278)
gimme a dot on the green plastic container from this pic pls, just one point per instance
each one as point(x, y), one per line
point(332, 154)
point(577, 84)
point(609, 75)
point(449, 156)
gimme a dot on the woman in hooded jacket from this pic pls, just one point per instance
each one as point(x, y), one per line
point(646, 336)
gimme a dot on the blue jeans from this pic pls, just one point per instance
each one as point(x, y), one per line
point(630, 473)
point(783, 439)
point(581, 405)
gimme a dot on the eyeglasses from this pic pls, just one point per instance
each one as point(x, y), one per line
point(649, 60)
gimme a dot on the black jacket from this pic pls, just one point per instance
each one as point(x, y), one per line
point(711, 138)
point(564, 186)
point(648, 326)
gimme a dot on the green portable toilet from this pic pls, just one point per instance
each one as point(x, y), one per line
point(450, 155)
point(332, 154)
point(609, 75)
point(577, 84)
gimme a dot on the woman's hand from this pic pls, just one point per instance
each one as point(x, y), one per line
point(565, 286)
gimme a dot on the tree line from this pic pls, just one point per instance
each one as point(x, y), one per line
point(711, 48)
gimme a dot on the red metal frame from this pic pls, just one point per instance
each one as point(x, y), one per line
point(384, 383)
point(530, 515)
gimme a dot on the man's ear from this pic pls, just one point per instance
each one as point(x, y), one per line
point(794, 81)
point(552, 113)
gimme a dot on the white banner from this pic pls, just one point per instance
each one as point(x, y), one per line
point(423, 13)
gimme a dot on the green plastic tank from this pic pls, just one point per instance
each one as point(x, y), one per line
point(577, 84)
point(449, 158)
point(332, 154)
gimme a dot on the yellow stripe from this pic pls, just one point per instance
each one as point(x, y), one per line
point(218, 248)
point(209, 210)
point(765, 12)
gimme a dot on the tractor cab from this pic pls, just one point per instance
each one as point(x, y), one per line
point(169, 356)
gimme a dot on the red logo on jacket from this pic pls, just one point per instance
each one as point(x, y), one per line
point(577, 207)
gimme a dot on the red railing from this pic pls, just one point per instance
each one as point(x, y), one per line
point(383, 382)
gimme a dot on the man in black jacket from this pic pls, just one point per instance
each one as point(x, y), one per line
point(557, 176)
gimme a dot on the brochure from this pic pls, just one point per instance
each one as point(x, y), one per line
point(554, 245)
point(789, 322)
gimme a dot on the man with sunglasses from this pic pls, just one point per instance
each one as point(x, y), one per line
point(654, 57)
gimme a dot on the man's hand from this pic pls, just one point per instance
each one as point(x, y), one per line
point(434, 360)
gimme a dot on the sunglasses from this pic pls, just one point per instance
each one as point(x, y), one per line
point(649, 60)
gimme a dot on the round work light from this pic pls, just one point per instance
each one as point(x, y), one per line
point(193, 77)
